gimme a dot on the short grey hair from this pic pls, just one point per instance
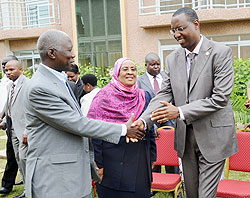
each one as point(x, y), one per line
point(49, 40)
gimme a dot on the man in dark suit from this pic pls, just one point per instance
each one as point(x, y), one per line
point(73, 75)
point(200, 80)
point(11, 168)
point(151, 81)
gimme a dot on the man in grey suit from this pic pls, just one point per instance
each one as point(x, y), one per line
point(199, 80)
point(58, 160)
point(14, 115)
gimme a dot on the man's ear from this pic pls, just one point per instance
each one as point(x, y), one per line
point(52, 53)
point(196, 23)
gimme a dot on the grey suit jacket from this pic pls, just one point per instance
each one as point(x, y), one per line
point(58, 161)
point(17, 109)
point(143, 82)
point(206, 104)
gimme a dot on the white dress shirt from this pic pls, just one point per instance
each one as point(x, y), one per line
point(158, 78)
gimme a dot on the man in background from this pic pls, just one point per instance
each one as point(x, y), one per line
point(90, 87)
point(11, 167)
point(73, 75)
point(14, 115)
point(151, 81)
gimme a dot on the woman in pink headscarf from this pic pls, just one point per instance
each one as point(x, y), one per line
point(125, 168)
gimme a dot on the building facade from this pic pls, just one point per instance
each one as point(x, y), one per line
point(104, 30)
point(148, 24)
point(23, 21)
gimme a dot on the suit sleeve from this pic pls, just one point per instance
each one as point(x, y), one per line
point(223, 86)
point(165, 94)
point(56, 112)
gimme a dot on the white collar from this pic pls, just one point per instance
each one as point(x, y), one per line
point(196, 49)
point(60, 75)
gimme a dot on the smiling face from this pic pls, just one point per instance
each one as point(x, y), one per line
point(190, 36)
point(72, 76)
point(128, 73)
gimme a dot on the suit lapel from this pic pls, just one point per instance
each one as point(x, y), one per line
point(201, 61)
point(147, 83)
point(182, 70)
point(60, 86)
point(18, 87)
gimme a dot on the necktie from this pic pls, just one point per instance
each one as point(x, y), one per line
point(156, 85)
point(70, 91)
point(11, 97)
point(192, 63)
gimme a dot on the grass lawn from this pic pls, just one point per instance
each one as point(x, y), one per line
point(19, 189)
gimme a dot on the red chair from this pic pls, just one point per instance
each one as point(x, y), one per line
point(229, 188)
point(166, 155)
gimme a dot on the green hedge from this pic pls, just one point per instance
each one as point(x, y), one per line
point(238, 96)
point(239, 93)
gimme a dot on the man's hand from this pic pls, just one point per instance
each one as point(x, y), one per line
point(25, 139)
point(133, 131)
point(139, 123)
point(166, 113)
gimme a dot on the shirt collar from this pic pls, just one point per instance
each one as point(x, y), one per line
point(196, 49)
point(151, 76)
point(16, 81)
point(60, 75)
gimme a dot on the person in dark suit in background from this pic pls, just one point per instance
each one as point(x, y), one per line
point(199, 80)
point(73, 75)
point(151, 82)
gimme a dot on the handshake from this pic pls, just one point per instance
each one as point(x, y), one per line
point(136, 130)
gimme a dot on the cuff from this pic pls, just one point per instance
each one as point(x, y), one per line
point(124, 130)
point(181, 114)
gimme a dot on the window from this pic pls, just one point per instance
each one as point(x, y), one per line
point(240, 45)
point(37, 13)
point(99, 32)
point(28, 58)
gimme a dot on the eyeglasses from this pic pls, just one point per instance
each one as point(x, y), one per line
point(178, 29)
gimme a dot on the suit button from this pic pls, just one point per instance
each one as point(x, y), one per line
point(121, 163)
point(86, 151)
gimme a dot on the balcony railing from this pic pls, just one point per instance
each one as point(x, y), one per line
point(147, 7)
point(28, 13)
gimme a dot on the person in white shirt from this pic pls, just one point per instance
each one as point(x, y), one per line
point(90, 87)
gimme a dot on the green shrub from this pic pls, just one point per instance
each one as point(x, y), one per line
point(238, 96)
point(239, 93)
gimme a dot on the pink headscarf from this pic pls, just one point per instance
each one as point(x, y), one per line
point(116, 102)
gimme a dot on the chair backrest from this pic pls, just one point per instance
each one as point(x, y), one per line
point(241, 160)
point(166, 155)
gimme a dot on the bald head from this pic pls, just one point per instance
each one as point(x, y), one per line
point(13, 69)
point(51, 39)
point(151, 56)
